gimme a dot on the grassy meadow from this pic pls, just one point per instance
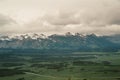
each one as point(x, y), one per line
point(60, 66)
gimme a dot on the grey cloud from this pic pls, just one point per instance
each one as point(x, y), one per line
point(4, 20)
point(102, 21)
point(62, 19)
point(106, 16)
point(96, 13)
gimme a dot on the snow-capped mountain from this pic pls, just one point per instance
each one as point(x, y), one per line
point(68, 41)
point(22, 36)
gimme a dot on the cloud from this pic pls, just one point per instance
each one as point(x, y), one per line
point(61, 18)
point(83, 16)
point(4, 20)
point(9, 25)
point(101, 18)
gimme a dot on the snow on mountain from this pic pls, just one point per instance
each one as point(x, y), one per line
point(22, 36)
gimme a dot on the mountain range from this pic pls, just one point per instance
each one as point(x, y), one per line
point(67, 41)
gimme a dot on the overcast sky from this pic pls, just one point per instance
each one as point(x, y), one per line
point(60, 16)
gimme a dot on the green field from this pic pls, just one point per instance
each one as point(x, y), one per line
point(60, 66)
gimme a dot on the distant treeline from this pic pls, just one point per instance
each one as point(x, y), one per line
point(9, 50)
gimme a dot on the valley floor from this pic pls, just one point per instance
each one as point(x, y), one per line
point(60, 66)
